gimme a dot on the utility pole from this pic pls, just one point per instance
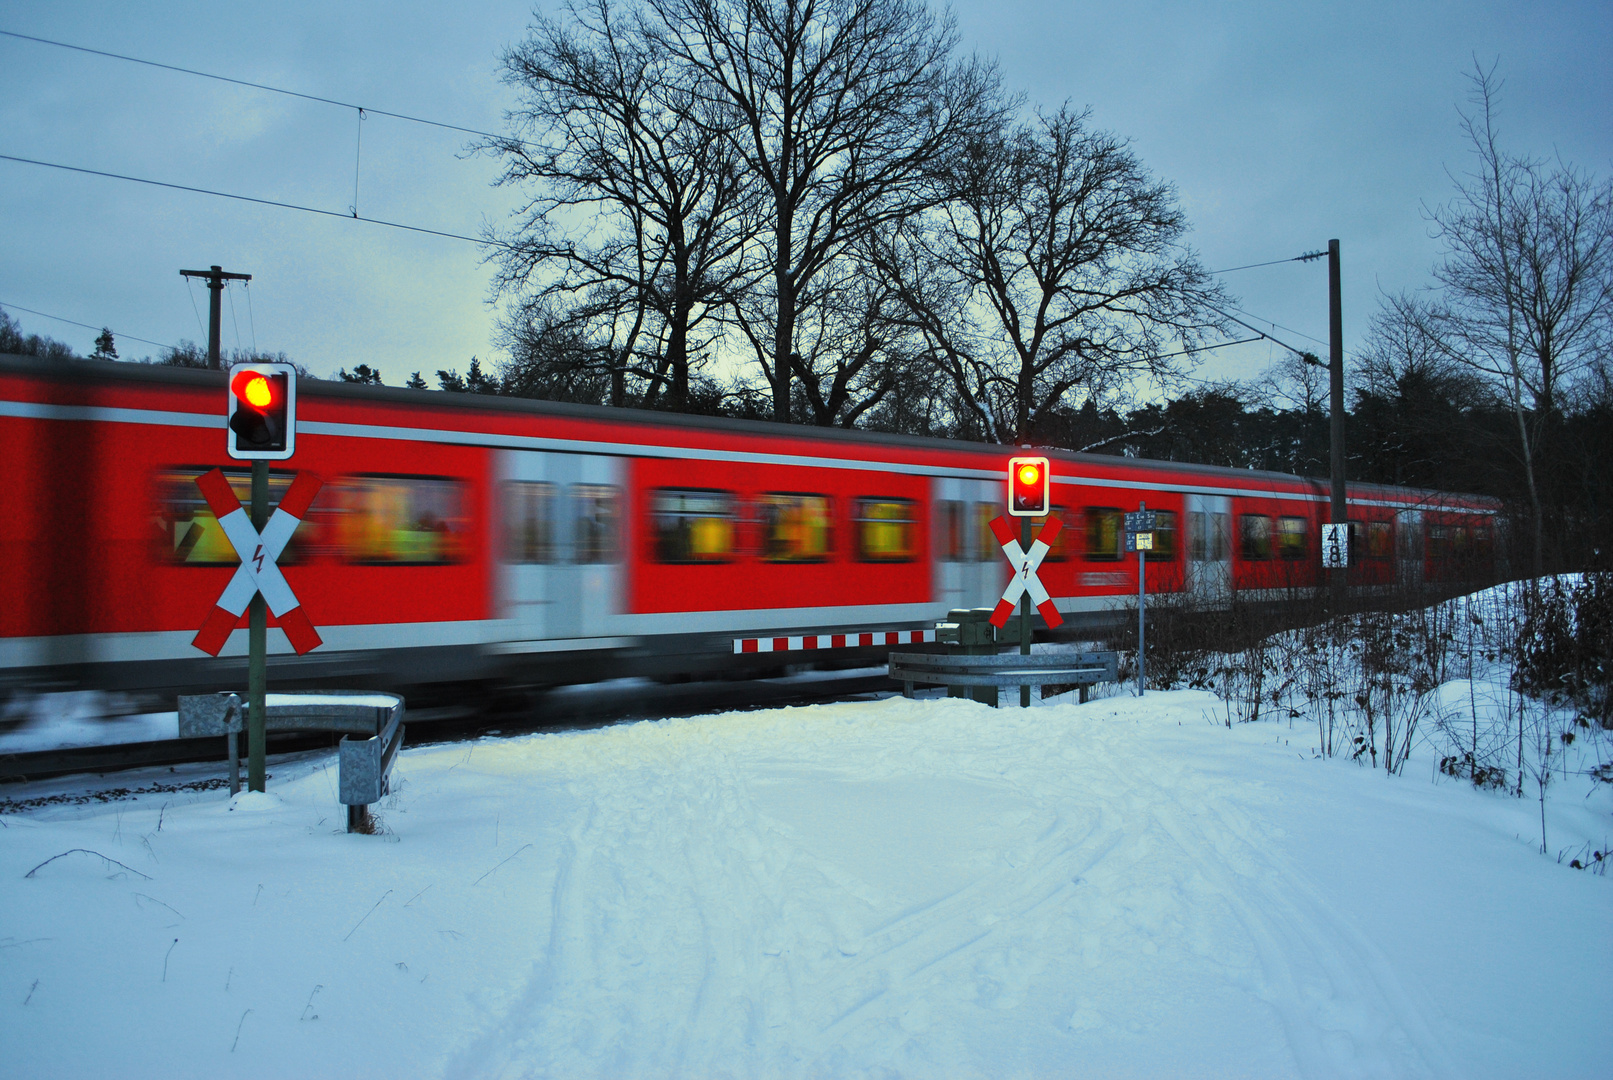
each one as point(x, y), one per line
point(257, 611)
point(215, 278)
point(1335, 373)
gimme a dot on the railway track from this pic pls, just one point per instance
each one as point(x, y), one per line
point(560, 709)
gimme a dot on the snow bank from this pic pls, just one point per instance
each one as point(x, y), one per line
point(922, 888)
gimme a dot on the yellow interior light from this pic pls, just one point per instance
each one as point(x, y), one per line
point(1029, 474)
point(257, 392)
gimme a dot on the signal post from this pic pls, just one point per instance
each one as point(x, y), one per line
point(1029, 491)
point(262, 427)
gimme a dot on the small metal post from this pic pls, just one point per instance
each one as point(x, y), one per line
point(232, 740)
point(1142, 591)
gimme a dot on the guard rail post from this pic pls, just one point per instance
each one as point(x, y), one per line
point(968, 632)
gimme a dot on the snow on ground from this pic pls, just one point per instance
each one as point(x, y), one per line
point(924, 888)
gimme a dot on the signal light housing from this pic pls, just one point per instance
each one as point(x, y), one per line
point(262, 412)
point(1029, 485)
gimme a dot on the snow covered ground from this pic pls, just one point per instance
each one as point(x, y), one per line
point(925, 888)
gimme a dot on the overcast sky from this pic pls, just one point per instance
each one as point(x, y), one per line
point(1281, 125)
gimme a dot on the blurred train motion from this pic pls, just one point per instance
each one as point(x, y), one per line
point(469, 539)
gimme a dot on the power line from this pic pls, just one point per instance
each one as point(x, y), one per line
point(1307, 257)
point(253, 85)
point(1261, 333)
point(1207, 348)
point(1278, 326)
point(85, 325)
point(251, 199)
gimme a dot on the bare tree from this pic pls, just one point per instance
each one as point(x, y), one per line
point(1056, 264)
point(845, 107)
point(1526, 279)
point(641, 215)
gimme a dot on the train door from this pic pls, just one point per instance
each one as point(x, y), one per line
point(1209, 547)
point(563, 541)
point(967, 558)
point(1409, 547)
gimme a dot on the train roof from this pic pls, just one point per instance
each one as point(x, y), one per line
point(84, 370)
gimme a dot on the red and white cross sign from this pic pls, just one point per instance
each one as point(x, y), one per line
point(1025, 564)
point(258, 572)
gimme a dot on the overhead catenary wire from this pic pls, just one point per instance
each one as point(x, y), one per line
point(234, 321)
point(1307, 257)
point(1301, 353)
point(251, 320)
point(190, 290)
point(260, 202)
point(85, 325)
point(253, 85)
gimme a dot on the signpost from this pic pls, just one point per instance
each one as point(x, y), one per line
point(1140, 538)
point(260, 426)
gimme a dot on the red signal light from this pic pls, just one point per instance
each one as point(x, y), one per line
point(255, 389)
point(262, 412)
point(1028, 486)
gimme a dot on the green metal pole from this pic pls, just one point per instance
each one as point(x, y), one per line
point(1142, 591)
point(257, 645)
point(1025, 612)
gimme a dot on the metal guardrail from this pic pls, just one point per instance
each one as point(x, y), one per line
point(363, 764)
point(1004, 669)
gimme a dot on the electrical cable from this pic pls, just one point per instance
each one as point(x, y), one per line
point(85, 325)
point(233, 320)
point(253, 85)
point(251, 320)
point(1307, 257)
point(190, 290)
point(1301, 353)
point(261, 202)
point(1277, 326)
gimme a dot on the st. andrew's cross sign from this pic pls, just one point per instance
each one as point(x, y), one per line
point(1025, 564)
point(258, 572)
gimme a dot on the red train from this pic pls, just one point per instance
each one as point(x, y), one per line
point(461, 537)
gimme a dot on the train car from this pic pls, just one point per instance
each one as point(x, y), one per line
point(462, 538)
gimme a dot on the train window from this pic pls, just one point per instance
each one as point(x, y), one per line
point(1063, 547)
point(795, 528)
point(885, 529)
point(1164, 549)
point(1380, 540)
point(1293, 540)
point(1103, 532)
point(985, 548)
point(190, 535)
point(529, 511)
point(1255, 531)
point(693, 526)
point(401, 520)
point(598, 521)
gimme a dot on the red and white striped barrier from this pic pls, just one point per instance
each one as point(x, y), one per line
point(257, 572)
point(832, 641)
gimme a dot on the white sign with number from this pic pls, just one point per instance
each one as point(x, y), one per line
point(1336, 547)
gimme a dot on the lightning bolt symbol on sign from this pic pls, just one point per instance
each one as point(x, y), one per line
point(258, 558)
